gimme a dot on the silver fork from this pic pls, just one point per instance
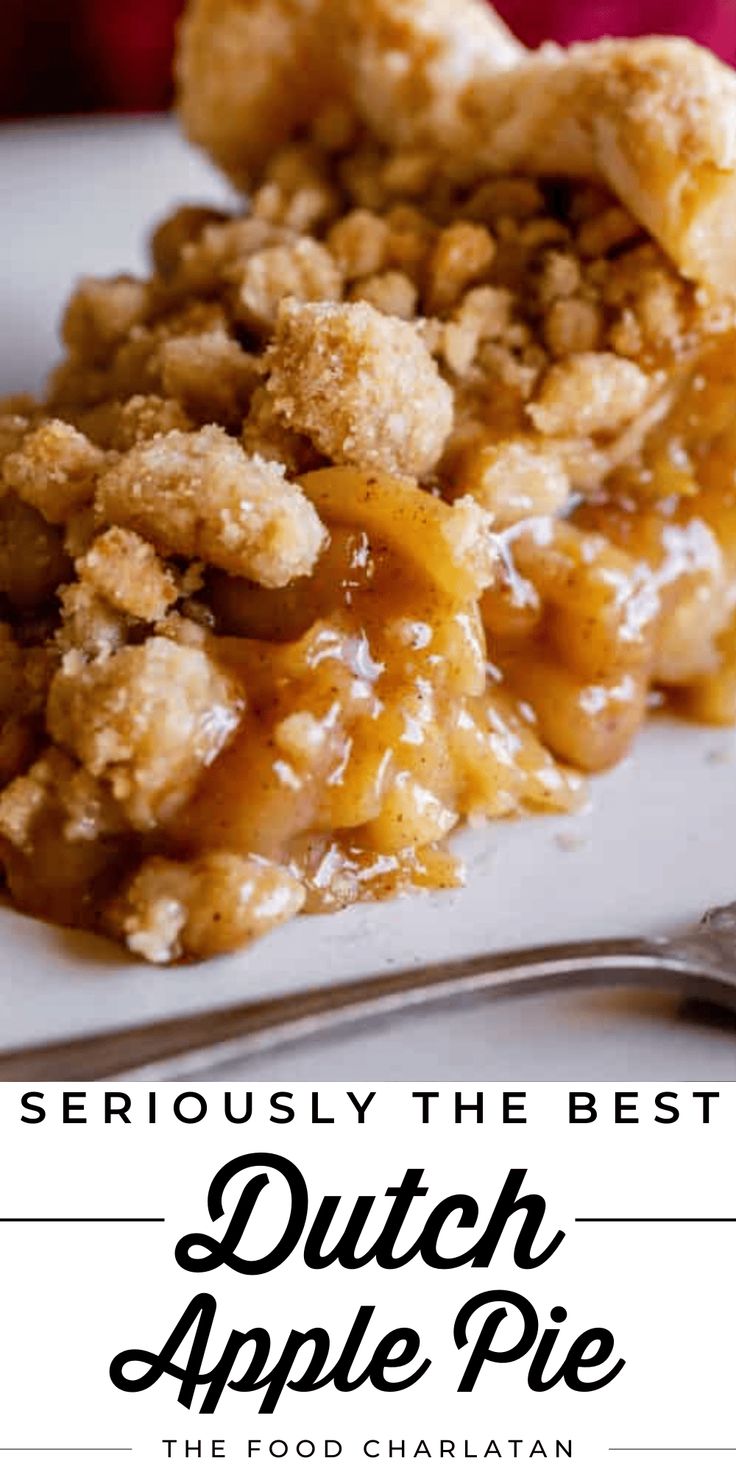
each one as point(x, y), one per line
point(699, 964)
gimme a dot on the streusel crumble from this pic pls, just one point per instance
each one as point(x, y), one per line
point(392, 501)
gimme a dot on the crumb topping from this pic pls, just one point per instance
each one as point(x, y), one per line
point(146, 720)
point(201, 496)
point(361, 386)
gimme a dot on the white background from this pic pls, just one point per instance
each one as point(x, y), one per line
point(74, 1295)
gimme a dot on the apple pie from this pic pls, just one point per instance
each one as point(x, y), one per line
point(391, 501)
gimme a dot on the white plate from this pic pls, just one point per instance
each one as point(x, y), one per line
point(657, 848)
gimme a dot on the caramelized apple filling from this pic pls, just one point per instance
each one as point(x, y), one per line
point(388, 505)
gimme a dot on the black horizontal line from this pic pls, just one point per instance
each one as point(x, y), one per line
point(672, 1448)
point(657, 1220)
point(81, 1220)
point(66, 1449)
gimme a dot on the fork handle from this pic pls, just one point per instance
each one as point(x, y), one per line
point(216, 1037)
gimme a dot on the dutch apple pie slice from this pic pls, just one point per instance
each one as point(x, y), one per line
point(388, 502)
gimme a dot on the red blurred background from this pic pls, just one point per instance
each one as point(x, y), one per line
point(87, 55)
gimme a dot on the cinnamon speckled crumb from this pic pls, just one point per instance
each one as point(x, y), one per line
point(201, 496)
point(147, 720)
point(362, 386)
point(173, 912)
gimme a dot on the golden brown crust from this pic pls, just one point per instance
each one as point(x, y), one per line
point(412, 66)
point(252, 73)
point(654, 119)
